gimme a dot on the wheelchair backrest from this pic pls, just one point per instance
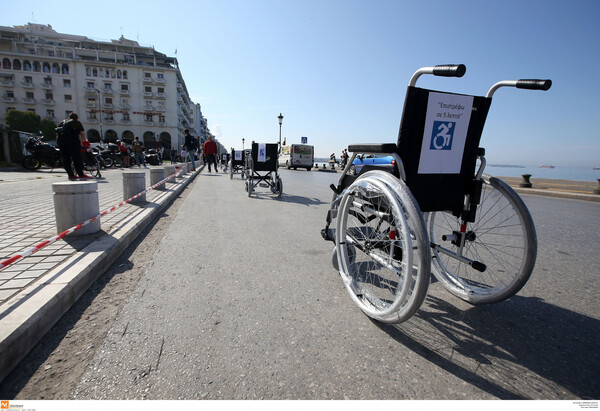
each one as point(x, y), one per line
point(437, 142)
point(264, 156)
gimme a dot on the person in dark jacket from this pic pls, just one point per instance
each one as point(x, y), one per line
point(190, 147)
point(70, 147)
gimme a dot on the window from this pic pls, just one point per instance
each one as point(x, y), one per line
point(161, 104)
point(88, 71)
point(148, 89)
point(161, 118)
point(125, 101)
point(28, 80)
point(148, 116)
point(37, 67)
point(16, 64)
point(160, 75)
point(68, 98)
point(29, 95)
point(91, 101)
point(108, 116)
point(106, 73)
point(94, 72)
point(10, 108)
point(91, 115)
point(125, 87)
point(31, 110)
point(6, 64)
point(118, 73)
point(56, 68)
point(45, 65)
point(108, 100)
point(91, 84)
point(125, 74)
point(49, 96)
point(107, 86)
point(65, 69)
point(48, 80)
point(27, 65)
point(161, 90)
point(10, 94)
point(148, 103)
point(147, 75)
point(67, 83)
point(50, 114)
point(126, 116)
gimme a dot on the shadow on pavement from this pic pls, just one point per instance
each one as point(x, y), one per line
point(522, 348)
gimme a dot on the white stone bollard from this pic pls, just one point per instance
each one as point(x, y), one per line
point(74, 203)
point(168, 171)
point(134, 182)
point(156, 175)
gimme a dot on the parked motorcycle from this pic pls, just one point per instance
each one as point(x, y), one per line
point(153, 157)
point(40, 153)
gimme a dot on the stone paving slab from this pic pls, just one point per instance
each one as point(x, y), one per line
point(27, 217)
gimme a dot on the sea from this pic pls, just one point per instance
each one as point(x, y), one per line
point(558, 172)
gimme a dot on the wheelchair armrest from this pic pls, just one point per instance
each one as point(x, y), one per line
point(384, 148)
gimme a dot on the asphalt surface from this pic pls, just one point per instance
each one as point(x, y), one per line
point(37, 290)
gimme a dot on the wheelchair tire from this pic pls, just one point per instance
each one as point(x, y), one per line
point(382, 247)
point(503, 238)
point(249, 187)
point(30, 163)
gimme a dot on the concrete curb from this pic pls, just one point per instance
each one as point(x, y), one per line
point(34, 311)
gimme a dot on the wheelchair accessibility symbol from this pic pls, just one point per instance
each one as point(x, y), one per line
point(442, 135)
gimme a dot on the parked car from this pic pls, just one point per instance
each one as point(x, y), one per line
point(377, 160)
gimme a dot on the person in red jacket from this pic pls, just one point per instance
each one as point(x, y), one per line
point(210, 152)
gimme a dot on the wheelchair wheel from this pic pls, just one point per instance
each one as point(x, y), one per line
point(502, 237)
point(249, 187)
point(382, 247)
point(277, 186)
point(230, 173)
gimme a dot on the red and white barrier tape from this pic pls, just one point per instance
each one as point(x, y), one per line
point(37, 247)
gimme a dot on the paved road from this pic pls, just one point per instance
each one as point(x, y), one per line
point(241, 302)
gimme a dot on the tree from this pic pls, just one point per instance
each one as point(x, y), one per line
point(30, 122)
point(26, 121)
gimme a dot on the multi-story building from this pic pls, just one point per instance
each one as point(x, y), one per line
point(120, 89)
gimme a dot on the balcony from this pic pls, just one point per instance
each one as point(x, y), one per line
point(7, 83)
point(161, 108)
point(92, 120)
point(161, 95)
point(109, 106)
point(148, 123)
point(9, 99)
point(47, 86)
point(148, 108)
point(107, 90)
point(124, 92)
point(160, 80)
point(48, 102)
point(126, 121)
point(27, 84)
point(148, 80)
point(90, 90)
point(125, 107)
point(148, 94)
point(29, 101)
point(91, 104)
point(108, 121)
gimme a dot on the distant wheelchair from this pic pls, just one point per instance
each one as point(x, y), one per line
point(261, 168)
point(237, 163)
point(476, 234)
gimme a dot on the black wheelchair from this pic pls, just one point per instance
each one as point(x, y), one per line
point(261, 168)
point(434, 213)
point(237, 163)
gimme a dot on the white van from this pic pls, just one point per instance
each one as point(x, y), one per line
point(297, 155)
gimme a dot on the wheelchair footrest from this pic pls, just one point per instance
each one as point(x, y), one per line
point(328, 234)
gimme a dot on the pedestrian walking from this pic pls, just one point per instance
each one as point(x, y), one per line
point(70, 135)
point(173, 155)
point(210, 151)
point(190, 146)
point(138, 151)
point(124, 154)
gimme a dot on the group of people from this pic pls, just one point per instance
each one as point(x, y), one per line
point(72, 142)
point(343, 158)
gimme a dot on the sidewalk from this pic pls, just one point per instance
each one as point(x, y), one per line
point(37, 290)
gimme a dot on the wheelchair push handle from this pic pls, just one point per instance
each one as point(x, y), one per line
point(450, 70)
point(543, 85)
point(534, 84)
point(444, 70)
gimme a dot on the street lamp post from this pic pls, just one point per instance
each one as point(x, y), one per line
point(280, 118)
point(100, 114)
point(243, 144)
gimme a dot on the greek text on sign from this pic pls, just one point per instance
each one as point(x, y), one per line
point(446, 126)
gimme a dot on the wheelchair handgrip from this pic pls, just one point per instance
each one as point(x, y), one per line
point(534, 84)
point(450, 70)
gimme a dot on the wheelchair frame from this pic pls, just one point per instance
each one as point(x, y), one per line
point(237, 165)
point(385, 247)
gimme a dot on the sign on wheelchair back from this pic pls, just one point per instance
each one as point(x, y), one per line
point(445, 133)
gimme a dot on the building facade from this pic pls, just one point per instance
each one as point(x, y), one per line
point(119, 89)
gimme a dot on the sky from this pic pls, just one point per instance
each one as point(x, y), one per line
point(337, 70)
